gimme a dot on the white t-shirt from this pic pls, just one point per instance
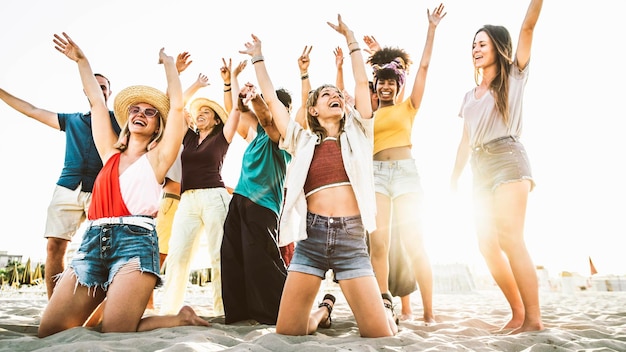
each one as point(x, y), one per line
point(483, 121)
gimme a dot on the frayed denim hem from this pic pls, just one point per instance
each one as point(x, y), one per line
point(523, 178)
point(132, 265)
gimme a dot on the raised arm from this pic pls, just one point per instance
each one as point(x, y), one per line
point(339, 65)
point(304, 60)
point(234, 117)
point(524, 43)
point(44, 116)
point(280, 115)
point(248, 120)
point(225, 72)
point(167, 149)
point(230, 127)
point(420, 78)
point(362, 91)
point(103, 134)
point(200, 82)
point(263, 114)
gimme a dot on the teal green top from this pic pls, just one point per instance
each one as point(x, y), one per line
point(263, 169)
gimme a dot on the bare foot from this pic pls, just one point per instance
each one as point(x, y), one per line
point(405, 316)
point(527, 327)
point(392, 323)
point(514, 323)
point(391, 315)
point(187, 316)
point(429, 320)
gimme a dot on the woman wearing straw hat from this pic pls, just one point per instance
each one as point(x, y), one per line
point(203, 203)
point(118, 258)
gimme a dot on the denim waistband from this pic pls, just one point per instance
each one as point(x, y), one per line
point(139, 220)
point(331, 221)
point(494, 141)
point(391, 164)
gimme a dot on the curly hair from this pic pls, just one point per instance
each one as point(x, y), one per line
point(390, 63)
point(388, 54)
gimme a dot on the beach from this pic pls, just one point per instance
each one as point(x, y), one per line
point(468, 320)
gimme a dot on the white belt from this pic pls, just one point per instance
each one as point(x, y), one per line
point(143, 221)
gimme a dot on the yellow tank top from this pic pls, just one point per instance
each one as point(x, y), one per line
point(393, 126)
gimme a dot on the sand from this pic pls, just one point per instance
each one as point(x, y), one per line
point(575, 320)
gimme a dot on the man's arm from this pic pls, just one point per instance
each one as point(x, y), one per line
point(44, 116)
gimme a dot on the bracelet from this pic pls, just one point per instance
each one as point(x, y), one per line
point(227, 90)
point(354, 50)
point(227, 84)
point(256, 59)
point(352, 43)
point(304, 76)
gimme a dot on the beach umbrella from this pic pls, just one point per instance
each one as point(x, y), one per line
point(592, 267)
point(15, 277)
point(37, 277)
point(27, 277)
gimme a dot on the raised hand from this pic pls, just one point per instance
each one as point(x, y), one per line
point(242, 65)
point(303, 60)
point(182, 61)
point(372, 44)
point(66, 46)
point(202, 80)
point(248, 92)
point(225, 70)
point(252, 48)
point(340, 27)
point(338, 57)
point(163, 57)
point(437, 15)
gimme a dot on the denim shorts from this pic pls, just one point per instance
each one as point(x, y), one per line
point(499, 161)
point(105, 249)
point(336, 243)
point(395, 178)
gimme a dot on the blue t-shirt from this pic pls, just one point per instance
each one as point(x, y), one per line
point(82, 162)
point(263, 169)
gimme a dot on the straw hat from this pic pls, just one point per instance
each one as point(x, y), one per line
point(139, 94)
point(197, 103)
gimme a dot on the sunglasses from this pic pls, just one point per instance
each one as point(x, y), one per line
point(149, 112)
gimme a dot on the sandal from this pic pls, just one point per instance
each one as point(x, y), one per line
point(388, 302)
point(325, 324)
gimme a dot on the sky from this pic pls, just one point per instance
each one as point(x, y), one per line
point(572, 129)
